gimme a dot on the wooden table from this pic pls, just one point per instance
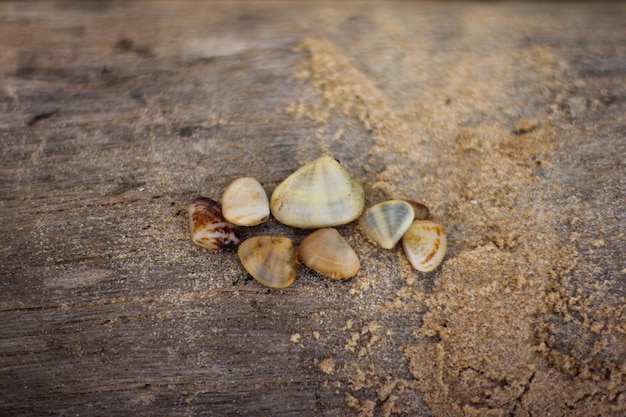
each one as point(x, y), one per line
point(507, 120)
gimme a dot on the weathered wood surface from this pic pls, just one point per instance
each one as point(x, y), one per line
point(507, 120)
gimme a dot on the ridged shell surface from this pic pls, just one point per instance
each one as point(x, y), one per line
point(271, 260)
point(386, 222)
point(425, 244)
point(245, 202)
point(208, 227)
point(328, 253)
point(320, 194)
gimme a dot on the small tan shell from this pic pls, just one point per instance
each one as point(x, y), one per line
point(271, 260)
point(385, 223)
point(319, 194)
point(209, 229)
point(420, 210)
point(245, 203)
point(425, 244)
point(326, 252)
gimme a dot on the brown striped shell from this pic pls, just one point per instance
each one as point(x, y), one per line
point(209, 229)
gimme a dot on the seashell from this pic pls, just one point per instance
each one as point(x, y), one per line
point(209, 229)
point(271, 260)
point(326, 252)
point(245, 203)
point(425, 244)
point(420, 210)
point(319, 194)
point(386, 222)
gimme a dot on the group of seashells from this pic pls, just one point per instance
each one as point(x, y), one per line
point(319, 195)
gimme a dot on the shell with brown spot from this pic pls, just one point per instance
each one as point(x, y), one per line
point(421, 211)
point(425, 244)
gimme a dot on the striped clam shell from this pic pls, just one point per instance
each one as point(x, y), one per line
point(208, 227)
point(386, 222)
point(319, 194)
point(271, 260)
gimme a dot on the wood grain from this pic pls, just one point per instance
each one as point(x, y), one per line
point(506, 120)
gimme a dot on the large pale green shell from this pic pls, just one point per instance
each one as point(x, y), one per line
point(320, 194)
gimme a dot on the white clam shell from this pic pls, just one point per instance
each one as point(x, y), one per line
point(208, 227)
point(245, 202)
point(425, 244)
point(385, 223)
point(319, 194)
point(327, 252)
point(271, 260)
